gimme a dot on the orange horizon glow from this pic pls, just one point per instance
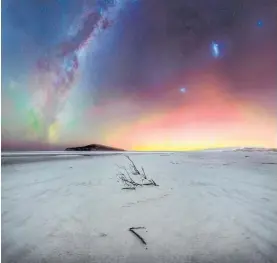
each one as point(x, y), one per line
point(209, 118)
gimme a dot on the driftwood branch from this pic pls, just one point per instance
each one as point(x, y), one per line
point(132, 229)
point(126, 176)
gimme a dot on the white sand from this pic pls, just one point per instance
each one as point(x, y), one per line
point(210, 207)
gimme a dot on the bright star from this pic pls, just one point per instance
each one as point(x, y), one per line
point(183, 90)
point(260, 23)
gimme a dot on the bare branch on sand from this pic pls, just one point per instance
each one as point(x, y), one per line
point(132, 229)
point(129, 182)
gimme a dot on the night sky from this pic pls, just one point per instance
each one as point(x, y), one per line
point(139, 74)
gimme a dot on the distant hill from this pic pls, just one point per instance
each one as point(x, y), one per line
point(93, 147)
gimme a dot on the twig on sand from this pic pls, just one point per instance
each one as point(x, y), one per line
point(133, 166)
point(128, 188)
point(152, 182)
point(126, 176)
point(132, 229)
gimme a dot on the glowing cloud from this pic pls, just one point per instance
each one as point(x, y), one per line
point(215, 49)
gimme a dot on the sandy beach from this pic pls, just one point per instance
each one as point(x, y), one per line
point(209, 206)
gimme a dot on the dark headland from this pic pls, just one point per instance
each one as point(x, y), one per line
point(93, 147)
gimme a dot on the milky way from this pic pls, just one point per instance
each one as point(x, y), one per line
point(143, 75)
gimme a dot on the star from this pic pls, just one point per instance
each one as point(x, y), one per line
point(260, 23)
point(183, 90)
